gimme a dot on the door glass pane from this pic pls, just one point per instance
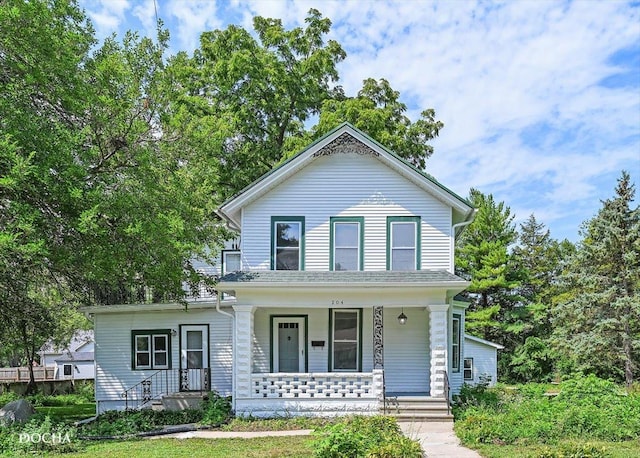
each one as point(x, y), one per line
point(194, 340)
point(345, 355)
point(194, 359)
point(345, 326)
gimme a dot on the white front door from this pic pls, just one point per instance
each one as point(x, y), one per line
point(194, 357)
point(288, 344)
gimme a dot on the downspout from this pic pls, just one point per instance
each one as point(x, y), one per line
point(233, 349)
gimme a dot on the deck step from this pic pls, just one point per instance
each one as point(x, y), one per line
point(417, 408)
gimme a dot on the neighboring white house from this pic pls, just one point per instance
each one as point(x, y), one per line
point(75, 361)
point(337, 294)
point(480, 360)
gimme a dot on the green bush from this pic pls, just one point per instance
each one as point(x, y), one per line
point(573, 450)
point(585, 407)
point(375, 436)
point(40, 434)
point(215, 410)
point(7, 397)
point(125, 423)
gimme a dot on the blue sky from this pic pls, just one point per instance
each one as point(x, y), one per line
point(540, 99)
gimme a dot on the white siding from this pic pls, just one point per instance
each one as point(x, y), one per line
point(406, 351)
point(80, 370)
point(485, 361)
point(113, 349)
point(346, 185)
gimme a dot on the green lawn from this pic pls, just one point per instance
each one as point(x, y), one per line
point(627, 449)
point(289, 446)
point(70, 413)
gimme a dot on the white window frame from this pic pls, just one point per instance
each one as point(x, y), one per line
point(456, 330)
point(392, 223)
point(152, 351)
point(357, 339)
point(465, 369)
point(225, 263)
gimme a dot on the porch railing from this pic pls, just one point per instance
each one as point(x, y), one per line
point(326, 385)
point(164, 382)
point(447, 392)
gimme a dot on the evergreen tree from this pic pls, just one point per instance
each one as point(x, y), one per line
point(598, 328)
point(483, 258)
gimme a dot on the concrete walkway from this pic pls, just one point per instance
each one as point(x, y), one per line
point(437, 438)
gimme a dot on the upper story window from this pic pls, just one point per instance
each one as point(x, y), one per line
point(346, 243)
point(287, 242)
point(231, 261)
point(403, 242)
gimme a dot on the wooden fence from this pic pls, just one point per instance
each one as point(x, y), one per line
point(21, 374)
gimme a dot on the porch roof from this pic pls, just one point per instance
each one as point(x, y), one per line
point(384, 278)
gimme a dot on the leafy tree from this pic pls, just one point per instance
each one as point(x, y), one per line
point(261, 90)
point(598, 328)
point(377, 110)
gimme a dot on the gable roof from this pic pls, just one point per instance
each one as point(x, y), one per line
point(343, 136)
point(483, 342)
point(79, 339)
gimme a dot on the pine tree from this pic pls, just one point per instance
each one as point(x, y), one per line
point(598, 328)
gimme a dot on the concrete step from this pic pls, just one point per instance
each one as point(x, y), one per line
point(417, 408)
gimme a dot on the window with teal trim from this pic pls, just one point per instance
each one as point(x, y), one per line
point(346, 243)
point(403, 242)
point(287, 235)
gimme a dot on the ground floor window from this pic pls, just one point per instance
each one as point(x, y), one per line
point(151, 349)
point(346, 340)
point(468, 369)
point(455, 343)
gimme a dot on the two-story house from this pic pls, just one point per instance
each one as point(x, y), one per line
point(338, 294)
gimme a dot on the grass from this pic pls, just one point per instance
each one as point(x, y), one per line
point(263, 447)
point(626, 449)
point(68, 413)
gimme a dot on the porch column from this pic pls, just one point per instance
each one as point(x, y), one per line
point(378, 345)
point(438, 344)
point(243, 350)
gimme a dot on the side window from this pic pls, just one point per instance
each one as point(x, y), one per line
point(468, 369)
point(66, 370)
point(346, 243)
point(151, 349)
point(403, 243)
point(287, 243)
point(455, 343)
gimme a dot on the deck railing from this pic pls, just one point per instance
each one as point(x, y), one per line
point(165, 382)
point(21, 374)
point(325, 385)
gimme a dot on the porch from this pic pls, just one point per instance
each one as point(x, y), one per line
point(337, 369)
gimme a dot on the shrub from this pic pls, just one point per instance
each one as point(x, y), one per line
point(7, 397)
point(40, 434)
point(375, 436)
point(585, 407)
point(215, 410)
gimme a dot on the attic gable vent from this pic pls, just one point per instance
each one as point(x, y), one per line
point(346, 144)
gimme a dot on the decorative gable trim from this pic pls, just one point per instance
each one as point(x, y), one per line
point(346, 144)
